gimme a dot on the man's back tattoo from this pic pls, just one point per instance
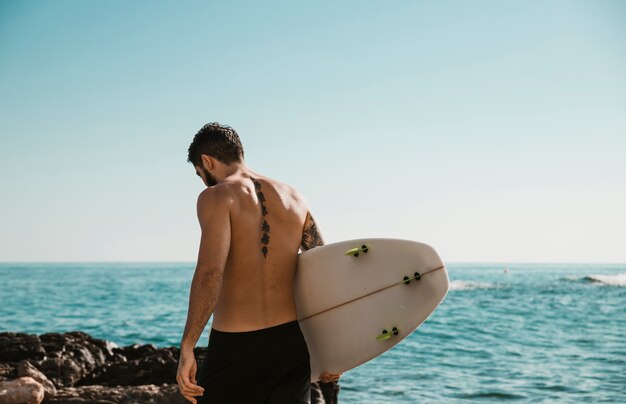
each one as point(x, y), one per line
point(265, 227)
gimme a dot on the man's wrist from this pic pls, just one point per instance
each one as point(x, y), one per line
point(187, 346)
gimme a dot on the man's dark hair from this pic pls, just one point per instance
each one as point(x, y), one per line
point(219, 141)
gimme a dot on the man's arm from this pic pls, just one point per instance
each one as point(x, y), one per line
point(311, 236)
point(214, 218)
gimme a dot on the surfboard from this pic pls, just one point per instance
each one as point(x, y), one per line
point(358, 298)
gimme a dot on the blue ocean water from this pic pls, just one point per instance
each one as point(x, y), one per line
point(535, 333)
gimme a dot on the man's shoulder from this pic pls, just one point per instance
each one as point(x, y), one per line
point(218, 194)
point(287, 188)
point(283, 187)
point(293, 193)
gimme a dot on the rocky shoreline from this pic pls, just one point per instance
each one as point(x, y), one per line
point(75, 367)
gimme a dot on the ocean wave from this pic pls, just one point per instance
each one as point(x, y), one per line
point(468, 285)
point(613, 280)
point(497, 395)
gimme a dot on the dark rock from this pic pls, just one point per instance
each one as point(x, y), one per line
point(158, 367)
point(148, 394)
point(8, 371)
point(74, 367)
point(72, 356)
point(136, 351)
point(15, 346)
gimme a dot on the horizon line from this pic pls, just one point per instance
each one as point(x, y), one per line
point(449, 262)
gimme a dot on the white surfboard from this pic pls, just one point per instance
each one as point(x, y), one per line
point(358, 298)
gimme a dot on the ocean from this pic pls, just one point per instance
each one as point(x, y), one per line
point(553, 333)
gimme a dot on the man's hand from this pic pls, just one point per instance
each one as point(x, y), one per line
point(330, 377)
point(186, 376)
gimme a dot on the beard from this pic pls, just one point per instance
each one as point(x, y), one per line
point(210, 180)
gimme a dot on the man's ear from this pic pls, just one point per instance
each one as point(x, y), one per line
point(207, 162)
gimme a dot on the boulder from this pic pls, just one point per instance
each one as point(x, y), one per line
point(147, 394)
point(25, 368)
point(15, 346)
point(23, 390)
point(75, 367)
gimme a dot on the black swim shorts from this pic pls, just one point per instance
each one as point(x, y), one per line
point(270, 365)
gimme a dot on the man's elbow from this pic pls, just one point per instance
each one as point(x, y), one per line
point(209, 273)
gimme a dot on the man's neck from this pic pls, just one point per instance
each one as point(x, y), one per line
point(237, 169)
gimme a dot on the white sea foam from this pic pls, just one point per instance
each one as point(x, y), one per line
point(613, 280)
point(468, 285)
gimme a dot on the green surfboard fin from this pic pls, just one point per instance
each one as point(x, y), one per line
point(356, 250)
point(386, 334)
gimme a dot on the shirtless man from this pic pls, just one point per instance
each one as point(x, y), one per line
point(252, 229)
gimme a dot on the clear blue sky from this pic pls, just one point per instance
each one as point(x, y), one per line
point(494, 131)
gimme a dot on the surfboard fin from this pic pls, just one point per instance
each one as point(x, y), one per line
point(356, 250)
point(385, 335)
point(416, 276)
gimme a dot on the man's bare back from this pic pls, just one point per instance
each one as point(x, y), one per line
point(267, 219)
